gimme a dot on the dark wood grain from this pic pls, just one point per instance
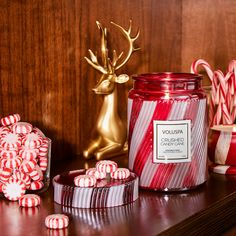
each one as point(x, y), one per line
point(44, 77)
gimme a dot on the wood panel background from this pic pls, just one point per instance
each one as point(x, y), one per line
point(43, 74)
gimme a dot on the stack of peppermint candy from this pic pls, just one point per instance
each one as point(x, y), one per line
point(23, 157)
point(104, 169)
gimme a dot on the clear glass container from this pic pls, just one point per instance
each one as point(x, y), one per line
point(168, 128)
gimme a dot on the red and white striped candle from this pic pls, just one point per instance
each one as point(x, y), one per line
point(222, 144)
point(167, 124)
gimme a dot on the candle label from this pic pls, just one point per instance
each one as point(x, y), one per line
point(171, 141)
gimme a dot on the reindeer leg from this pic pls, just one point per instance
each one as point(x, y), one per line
point(92, 148)
point(110, 149)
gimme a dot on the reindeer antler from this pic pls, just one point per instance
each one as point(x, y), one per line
point(108, 65)
point(94, 61)
point(130, 39)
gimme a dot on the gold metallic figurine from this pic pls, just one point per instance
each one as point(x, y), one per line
point(110, 130)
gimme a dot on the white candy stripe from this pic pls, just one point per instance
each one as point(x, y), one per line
point(82, 197)
point(201, 153)
point(115, 196)
point(222, 147)
point(140, 128)
point(130, 103)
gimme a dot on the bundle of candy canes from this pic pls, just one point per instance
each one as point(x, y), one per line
point(222, 103)
point(23, 157)
point(104, 169)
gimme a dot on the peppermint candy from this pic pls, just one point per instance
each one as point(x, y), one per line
point(120, 173)
point(29, 200)
point(43, 163)
point(28, 154)
point(13, 189)
point(10, 141)
point(35, 185)
point(21, 128)
point(28, 166)
point(11, 119)
point(106, 166)
point(32, 140)
point(36, 174)
point(12, 163)
point(96, 174)
point(56, 221)
point(85, 181)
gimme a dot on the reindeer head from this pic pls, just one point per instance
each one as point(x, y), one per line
point(106, 84)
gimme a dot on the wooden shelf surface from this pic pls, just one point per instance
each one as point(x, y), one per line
point(207, 210)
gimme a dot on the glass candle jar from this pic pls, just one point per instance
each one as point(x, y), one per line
point(167, 126)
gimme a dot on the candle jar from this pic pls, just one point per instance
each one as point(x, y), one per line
point(167, 131)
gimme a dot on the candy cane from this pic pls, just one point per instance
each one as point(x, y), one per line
point(232, 69)
point(206, 66)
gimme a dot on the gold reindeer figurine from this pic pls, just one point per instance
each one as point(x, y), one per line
point(110, 130)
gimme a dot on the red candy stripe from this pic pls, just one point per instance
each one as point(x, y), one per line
point(32, 140)
point(11, 119)
point(36, 185)
point(21, 128)
point(1, 185)
point(13, 189)
point(106, 166)
point(29, 200)
point(85, 181)
point(120, 173)
point(10, 141)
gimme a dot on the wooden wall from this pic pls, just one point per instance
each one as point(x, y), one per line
point(44, 77)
